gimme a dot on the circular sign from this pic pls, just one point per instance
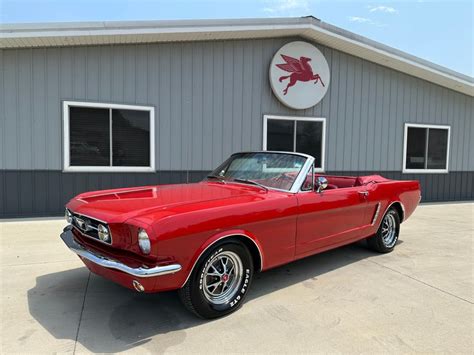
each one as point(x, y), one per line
point(299, 75)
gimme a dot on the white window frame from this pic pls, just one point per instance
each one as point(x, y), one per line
point(405, 141)
point(66, 138)
point(299, 118)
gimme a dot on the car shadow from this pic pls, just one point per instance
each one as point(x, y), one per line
point(115, 319)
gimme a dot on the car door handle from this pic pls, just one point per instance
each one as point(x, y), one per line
point(364, 193)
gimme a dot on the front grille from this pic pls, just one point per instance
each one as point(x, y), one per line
point(88, 226)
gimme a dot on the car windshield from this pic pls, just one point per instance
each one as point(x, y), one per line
point(269, 170)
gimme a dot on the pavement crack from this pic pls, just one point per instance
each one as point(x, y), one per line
point(82, 311)
point(422, 282)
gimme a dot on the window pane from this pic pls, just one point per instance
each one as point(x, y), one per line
point(308, 182)
point(280, 135)
point(309, 137)
point(89, 136)
point(131, 138)
point(416, 144)
point(437, 148)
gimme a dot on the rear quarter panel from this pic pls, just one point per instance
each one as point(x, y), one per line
point(405, 192)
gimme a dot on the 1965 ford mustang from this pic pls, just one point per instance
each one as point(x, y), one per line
point(256, 211)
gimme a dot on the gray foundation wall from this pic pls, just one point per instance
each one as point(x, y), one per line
point(29, 193)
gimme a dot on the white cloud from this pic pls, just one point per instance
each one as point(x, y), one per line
point(365, 20)
point(287, 7)
point(381, 8)
point(360, 19)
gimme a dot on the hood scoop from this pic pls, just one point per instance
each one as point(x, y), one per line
point(129, 194)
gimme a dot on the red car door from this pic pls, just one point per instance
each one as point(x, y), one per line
point(330, 217)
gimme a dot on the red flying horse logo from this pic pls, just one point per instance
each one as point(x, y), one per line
point(300, 71)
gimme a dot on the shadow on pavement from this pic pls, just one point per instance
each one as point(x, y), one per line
point(117, 319)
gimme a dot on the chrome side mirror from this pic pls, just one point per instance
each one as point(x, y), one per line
point(321, 183)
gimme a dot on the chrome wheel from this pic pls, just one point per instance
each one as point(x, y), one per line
point(222, 277)
point(389, 230)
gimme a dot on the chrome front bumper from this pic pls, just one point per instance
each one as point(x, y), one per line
point(106, 262)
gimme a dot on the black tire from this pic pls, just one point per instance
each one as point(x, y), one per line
point(380, 241)
point(203, 303)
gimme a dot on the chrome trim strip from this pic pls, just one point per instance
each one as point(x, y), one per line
point(403, 209)
point(84, 215)
point(377, 211)
point(214, 242)
point(274, 152)
point(90, 237)
point(296, 187)
point(108, 263)
point(300, 191)
point(388, 207)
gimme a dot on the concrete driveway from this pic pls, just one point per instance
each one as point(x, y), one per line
point(417, 299)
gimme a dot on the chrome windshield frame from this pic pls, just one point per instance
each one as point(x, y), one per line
point(299, 181)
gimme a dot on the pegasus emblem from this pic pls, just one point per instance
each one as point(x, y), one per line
point(300, 71)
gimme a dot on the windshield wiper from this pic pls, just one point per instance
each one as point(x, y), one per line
point(220, 178)
point(247, 181)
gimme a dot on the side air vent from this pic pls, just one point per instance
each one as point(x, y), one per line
point(376, 213)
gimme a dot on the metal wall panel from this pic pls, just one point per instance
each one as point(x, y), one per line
point(2, 111)
point(211, 98)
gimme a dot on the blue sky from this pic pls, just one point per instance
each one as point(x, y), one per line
point(439, 31)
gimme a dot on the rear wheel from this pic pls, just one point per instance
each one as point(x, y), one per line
point(220, 281)
point(387, 235)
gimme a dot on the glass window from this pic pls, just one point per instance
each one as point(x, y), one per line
point(426, 148)
point(280, 135)
point(293, 135)
point(89, 136)
point(416, 145)
point(308, 183)
point(437, 148)
point(130, 138)
point(114, 137)
point(309, 137)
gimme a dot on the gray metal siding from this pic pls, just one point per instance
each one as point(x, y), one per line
point(211, 98)
point(27, 193)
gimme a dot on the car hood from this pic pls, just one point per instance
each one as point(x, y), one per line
point(118, 205)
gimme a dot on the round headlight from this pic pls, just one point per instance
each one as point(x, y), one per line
point(144, 241)
point(103, 233)
point(68, 216)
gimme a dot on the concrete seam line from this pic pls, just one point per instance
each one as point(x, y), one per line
point(82, 311)
point(39, 263)
point(422, 282)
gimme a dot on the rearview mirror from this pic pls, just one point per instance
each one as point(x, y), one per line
point(321, 183)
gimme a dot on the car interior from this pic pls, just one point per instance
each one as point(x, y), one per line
point(340, 182)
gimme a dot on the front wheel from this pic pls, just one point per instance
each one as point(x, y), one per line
point(387, 235)
point(219, 282)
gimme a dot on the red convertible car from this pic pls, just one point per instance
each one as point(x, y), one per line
point(256, 211)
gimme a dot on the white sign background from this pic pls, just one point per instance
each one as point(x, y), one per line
point(303, 94)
